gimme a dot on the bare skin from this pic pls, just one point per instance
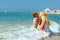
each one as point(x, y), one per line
point(44, 20)
point(36, 23)
point(36, 16)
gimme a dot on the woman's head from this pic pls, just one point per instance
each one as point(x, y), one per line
point(42, 14)
point(36, 14)
point(45, 17)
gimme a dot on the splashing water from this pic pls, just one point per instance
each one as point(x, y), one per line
point(54, 27)
point(24, 33)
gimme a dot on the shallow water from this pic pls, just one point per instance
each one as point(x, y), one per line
point(17, 26)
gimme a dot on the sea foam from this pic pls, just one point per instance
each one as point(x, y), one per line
point(24, 33)
point(54, 27)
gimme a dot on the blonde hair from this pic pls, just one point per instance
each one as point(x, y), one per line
point(43, 13)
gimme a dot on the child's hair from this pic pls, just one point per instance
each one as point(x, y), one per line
point(34, 14)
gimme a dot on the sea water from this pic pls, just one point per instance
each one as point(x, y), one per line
point(18, 26)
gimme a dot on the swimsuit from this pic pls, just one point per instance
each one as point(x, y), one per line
point(46, 28)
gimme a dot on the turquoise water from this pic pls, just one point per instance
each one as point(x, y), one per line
point(54, 17)
point(20, 17)
point(15, 25)
point(16, 17)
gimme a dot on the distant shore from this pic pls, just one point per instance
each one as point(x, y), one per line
point(52, 12)
point(49, 11)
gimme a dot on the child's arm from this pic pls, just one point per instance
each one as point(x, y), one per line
point(35, 23)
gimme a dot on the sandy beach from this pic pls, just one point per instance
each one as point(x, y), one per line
point(52, 38)
point(53, 12)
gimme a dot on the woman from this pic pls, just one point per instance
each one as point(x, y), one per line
point(45, 23)
point(37, 21)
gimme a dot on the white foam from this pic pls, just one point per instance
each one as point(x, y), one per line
point(25, 33)
point(54, 26)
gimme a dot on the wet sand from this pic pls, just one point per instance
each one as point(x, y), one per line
point(52, 38)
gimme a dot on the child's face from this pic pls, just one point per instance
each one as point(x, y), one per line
point(37, 15)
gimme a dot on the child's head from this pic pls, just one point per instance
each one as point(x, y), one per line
point(36, 15)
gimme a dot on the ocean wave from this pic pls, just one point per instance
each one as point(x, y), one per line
point(24, 33)
point(54, 26)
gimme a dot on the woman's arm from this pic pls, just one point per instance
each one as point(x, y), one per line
point(42, 23)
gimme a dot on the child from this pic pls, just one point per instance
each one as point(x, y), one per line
point(35, 20)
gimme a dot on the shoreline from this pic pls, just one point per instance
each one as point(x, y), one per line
point(52, 38)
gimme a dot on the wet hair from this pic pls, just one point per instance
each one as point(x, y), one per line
point(46, 17)
point(43, 13)
point(34, 14)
